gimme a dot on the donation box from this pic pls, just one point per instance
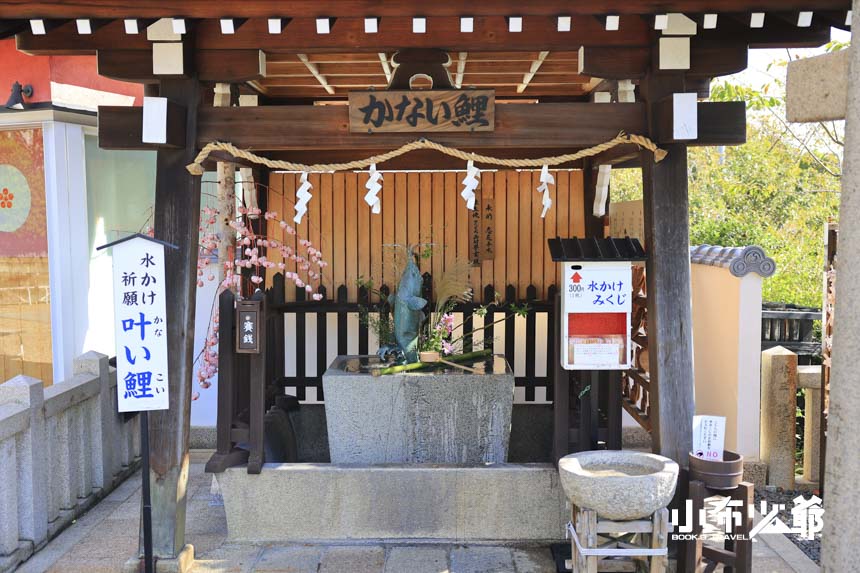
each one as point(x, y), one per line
point(596, 300)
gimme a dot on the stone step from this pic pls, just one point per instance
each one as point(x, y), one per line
point(499, 503)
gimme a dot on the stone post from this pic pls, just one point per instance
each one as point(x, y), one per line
point(840, 550)
point(8, 499)
point(778, 413)
point(33, 463)
point(103, 423)
point(809, 380)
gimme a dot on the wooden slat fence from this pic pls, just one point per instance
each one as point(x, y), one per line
point(427, 207)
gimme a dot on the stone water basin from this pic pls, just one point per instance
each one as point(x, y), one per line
point(618, 484)
point(437, 416)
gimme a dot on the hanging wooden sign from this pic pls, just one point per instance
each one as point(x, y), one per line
point(248, 327)
point(420, 111)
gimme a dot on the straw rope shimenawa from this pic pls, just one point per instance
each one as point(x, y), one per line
point(196, 168)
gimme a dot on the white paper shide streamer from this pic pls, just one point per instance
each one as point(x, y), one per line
point(373, 185)
point(601, 190)
point(545, 181)
point(303, 195)
point(470, 183)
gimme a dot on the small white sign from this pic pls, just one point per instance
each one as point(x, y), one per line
point(140, 324)
point(709, 436)
point(595, 324)
point(685, 116)
point(597, 288)
point(596, 354)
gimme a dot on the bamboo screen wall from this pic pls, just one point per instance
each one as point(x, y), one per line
point(427, 207)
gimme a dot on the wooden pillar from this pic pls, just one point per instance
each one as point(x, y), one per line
point(670, 312)
point(670, 320)
point(670, 328)
point(561, 395)
point(177, 217)
point(226, 198)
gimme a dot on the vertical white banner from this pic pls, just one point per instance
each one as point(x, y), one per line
point(140, 324)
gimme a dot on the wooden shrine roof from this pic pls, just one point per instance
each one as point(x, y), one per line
point(293, 53)
point(509, 73)
point(360, 8)
point(542, 59)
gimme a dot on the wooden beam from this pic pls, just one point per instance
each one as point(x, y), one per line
point(537, 91)
point(61, 40)
point(533, 69)
point(621, 155)
point(315, 73)
point(11, 27)
point(374, 8)
point(491, 34)
point(713, 53)
point(621, 63)
point(776, 33)
point(229, 66)
point(310, 80)
point(718, 123)
point(714, 60)
point(121, 127)
point(177, 216)
point(559, 126)
point(424, 159)
point(461, 69)
point(348, 36)
point(386, 67)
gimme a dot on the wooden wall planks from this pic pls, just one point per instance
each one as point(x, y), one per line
point(427, 207)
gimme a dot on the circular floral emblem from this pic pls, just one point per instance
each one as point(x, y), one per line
point(14, 198)
point(6, 199)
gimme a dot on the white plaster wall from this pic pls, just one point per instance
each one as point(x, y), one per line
point(66, 206)
point(204, 410)
point(749, 367)
point(727, 352)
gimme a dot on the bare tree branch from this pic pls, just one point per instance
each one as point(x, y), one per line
point(832, 136)
point(803, 144)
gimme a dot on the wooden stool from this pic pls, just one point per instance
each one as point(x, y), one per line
point(736, 554)
point(602, 545)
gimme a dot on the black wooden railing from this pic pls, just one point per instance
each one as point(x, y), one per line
point(791, 327)
point(251, 385)
point(309, 376)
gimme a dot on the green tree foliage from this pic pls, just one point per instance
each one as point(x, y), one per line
point(769, 192)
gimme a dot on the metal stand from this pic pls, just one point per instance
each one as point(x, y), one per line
point(148, 563)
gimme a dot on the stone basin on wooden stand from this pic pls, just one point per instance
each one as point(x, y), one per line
point(442, 415)
point(618, 484)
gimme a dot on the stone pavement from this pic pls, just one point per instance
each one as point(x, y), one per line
point(102, 540)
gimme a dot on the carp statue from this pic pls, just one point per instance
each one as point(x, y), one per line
point(408, 315)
